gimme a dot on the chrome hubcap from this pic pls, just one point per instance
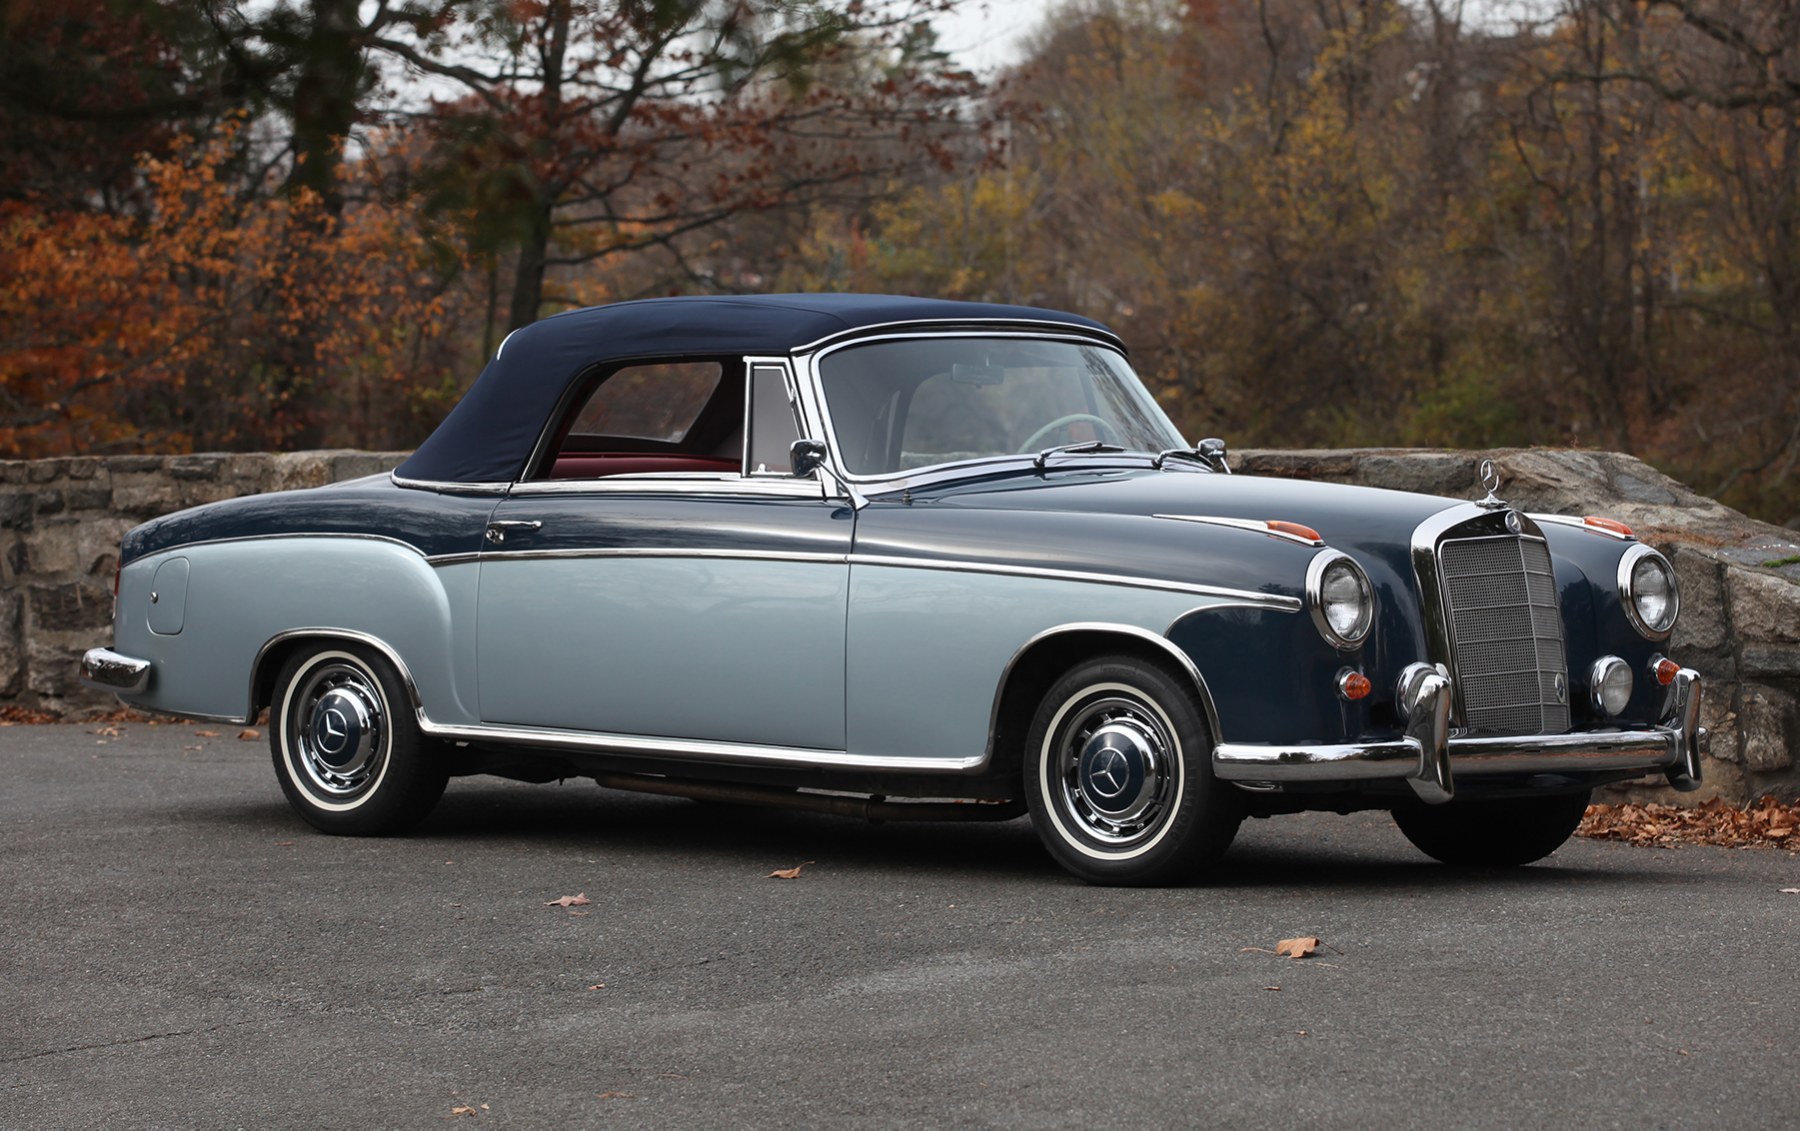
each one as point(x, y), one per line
point(339, 729)
point(1116, 769)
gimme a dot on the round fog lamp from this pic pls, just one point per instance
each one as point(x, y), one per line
point(1609, 685)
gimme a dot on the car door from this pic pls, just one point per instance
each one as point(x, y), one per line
point(696, 603)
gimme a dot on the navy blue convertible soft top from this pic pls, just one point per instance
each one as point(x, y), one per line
point(488, 436)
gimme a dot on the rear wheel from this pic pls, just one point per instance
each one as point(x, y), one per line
point(346, 746)
point(1118, 776)
point(1492, 834)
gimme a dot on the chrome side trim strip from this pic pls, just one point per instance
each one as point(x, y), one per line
point(1248, 524)
point(448, 488)
point(1580, 524)
point(695, 750)
point(106, 670)
point(184, 546)
point(1236, 596)
point(672, 483)
point(645, 552)
point(1241, 596)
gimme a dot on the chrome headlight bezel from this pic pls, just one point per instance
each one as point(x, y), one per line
point(1325, 568)
point(1635, 558)
point(1605, 695)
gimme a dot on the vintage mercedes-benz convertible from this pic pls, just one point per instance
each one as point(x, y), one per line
point(905, 558)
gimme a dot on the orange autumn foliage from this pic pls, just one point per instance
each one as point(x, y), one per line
point(215, 317)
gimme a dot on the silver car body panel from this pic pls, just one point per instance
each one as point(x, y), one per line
point(713, 648)
point(241, 596)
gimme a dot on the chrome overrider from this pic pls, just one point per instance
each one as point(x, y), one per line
point(106, 670)
point(1430, 759)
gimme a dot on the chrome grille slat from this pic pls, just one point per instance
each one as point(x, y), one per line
point(1505, 634)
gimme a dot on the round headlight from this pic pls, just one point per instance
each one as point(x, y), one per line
point(1341, 599)
point(1609, 685)
point(1647, 589)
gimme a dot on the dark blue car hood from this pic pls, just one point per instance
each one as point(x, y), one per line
point(1375, 520)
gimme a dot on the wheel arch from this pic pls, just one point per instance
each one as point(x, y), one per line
point(278, 649)
point(1044, 658)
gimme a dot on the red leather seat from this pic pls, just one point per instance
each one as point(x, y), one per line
point(596, 465)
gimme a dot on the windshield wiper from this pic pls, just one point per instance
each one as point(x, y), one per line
point(1168, 454)
point(1089, 447)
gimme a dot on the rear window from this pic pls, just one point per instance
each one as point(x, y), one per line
point(658, 402)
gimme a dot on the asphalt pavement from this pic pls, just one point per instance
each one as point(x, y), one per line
point(179, 950)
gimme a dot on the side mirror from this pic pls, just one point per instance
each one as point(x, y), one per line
point(806, 456)
point(1212, 450)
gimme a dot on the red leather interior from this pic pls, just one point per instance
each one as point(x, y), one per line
point(593, 466)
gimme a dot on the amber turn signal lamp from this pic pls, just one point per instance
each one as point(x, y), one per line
point(1295, 529)
point(1666, 671)
point(1354, 685)
point(1612, 524)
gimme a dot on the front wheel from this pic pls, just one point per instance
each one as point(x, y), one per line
point(1492, 834)
point(347, 749)
point(1118, 776)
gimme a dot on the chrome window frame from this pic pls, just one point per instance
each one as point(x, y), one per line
point(785, 367)
point(813, 384)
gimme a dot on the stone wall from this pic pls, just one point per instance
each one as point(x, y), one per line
point(60, 525)
point(61, 520)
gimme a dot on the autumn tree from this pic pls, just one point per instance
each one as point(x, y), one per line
point(151, 330)
point(589, 130)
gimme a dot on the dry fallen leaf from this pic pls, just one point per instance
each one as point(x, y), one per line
point(617, 1096)
point(1302, 947)
point(109, 730)
point(249, 734)
point(597, 986)
point(1760, 823)
point(569, 901)
point(207, 733)
point(463, 1109)
point(789, 873)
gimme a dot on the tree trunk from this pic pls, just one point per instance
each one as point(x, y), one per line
point(528, 276)
point(325, 98)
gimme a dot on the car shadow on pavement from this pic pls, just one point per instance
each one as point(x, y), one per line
point(1315, 851)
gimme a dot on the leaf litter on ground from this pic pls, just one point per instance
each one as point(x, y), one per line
point(1761, 824)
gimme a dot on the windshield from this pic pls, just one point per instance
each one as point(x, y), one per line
point(900, 405)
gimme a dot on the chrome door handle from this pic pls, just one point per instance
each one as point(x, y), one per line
point(496, 531)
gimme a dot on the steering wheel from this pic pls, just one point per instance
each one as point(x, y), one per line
point(1103, 430)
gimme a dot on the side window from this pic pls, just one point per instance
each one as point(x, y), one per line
point(770, 430)
point(649, 402)
point(656, 418)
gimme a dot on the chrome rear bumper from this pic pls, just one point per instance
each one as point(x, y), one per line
point(105, 670)
point(1430, 760)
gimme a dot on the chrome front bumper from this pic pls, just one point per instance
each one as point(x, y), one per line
point(105, 670)
point(1430, 760)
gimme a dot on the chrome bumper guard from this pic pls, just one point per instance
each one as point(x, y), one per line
point(105, 670)
point(1430, 760)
